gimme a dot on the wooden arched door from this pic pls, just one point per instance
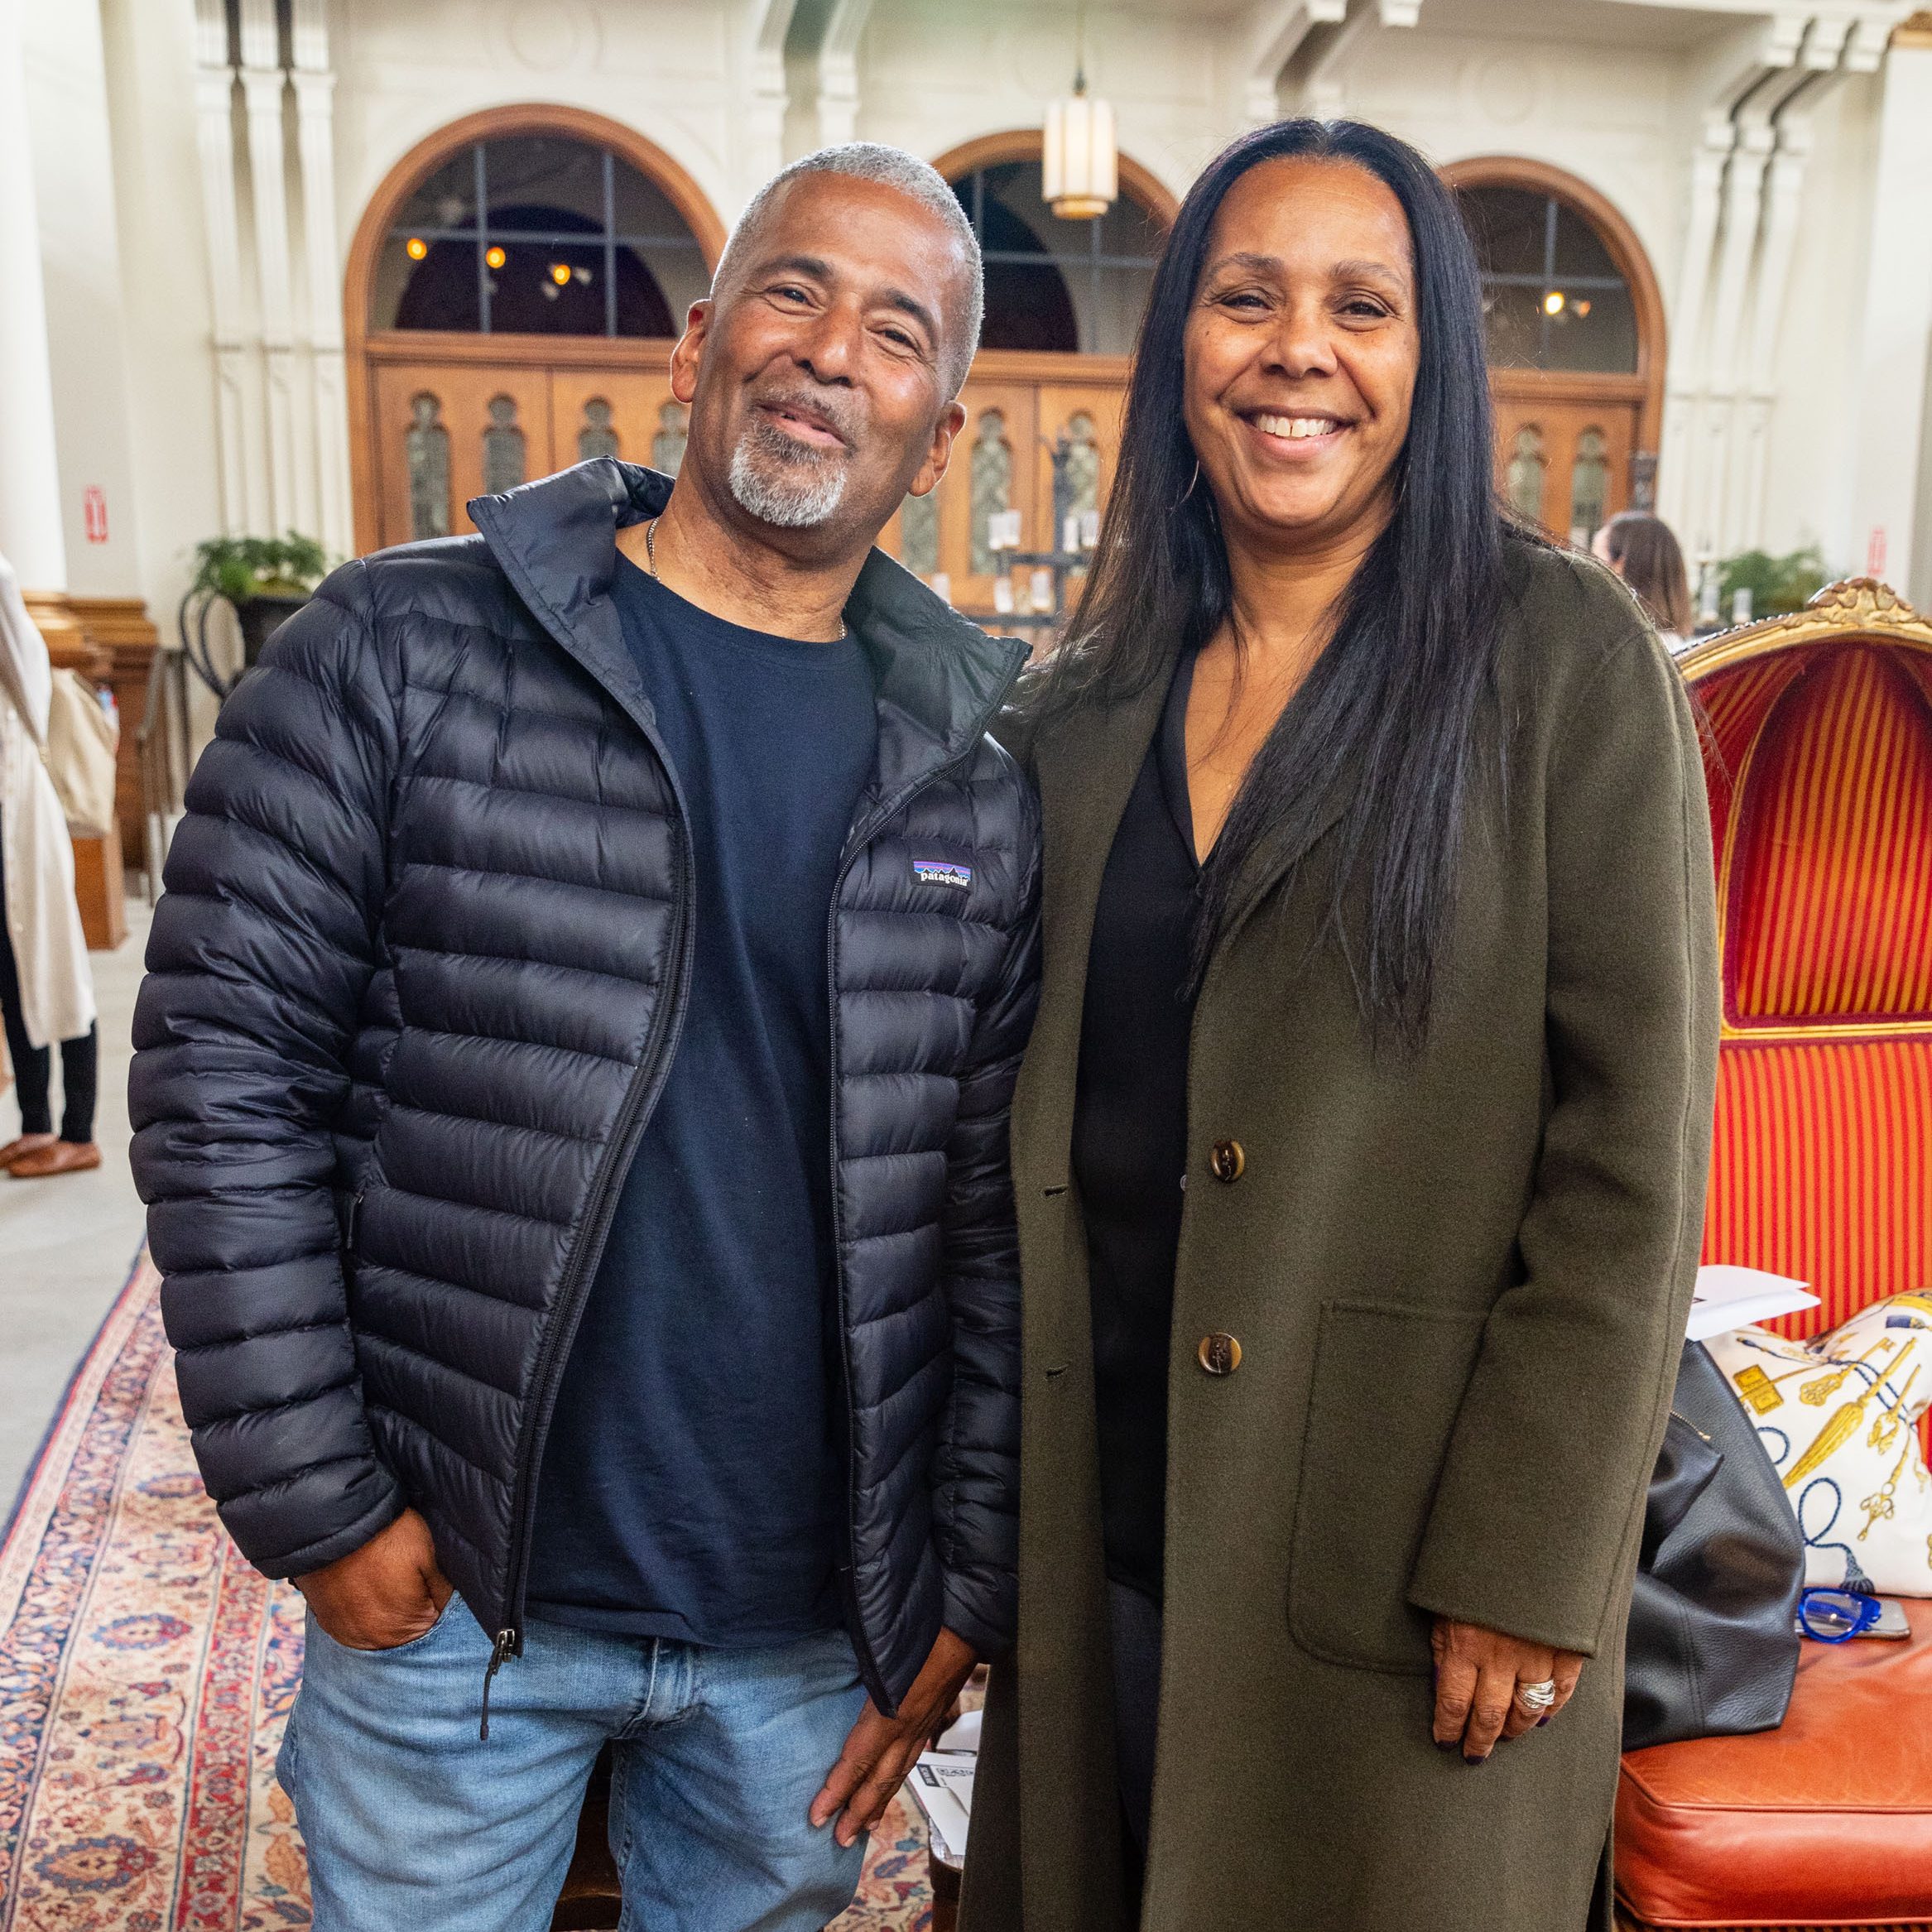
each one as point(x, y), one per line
point(1576, 344)
point(514, 291)
point(1045, 396)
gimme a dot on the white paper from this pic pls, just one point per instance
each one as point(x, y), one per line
point(1728, 1297)
point(1002, 594)
point(941, 1784)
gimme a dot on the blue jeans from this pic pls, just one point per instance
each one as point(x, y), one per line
point(413, 1824)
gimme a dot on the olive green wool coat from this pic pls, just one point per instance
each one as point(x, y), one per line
point(1460, 1283)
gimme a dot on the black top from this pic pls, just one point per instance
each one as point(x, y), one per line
point(691, 1484)
point(1130, 1136)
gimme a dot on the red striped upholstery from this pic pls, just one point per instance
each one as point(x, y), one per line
point(1819, 759)
point(1821, 1167)
point(1736, 704)
point(1830, 912)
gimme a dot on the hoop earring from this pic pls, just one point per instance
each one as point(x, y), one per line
point(1191, 481)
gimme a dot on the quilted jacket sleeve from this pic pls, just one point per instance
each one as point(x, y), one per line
point(976, 1502)
point(262, 950)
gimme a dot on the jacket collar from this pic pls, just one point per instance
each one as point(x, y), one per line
point(939, 678)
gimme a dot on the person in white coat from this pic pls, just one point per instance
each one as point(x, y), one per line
point(46, 991)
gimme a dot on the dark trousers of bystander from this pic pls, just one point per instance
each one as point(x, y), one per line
point(33, 1066)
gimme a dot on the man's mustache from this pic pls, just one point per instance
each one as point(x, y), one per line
point(826, 409)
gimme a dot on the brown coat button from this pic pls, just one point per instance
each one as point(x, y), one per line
point(1227, 1160)
point(1219, 1354)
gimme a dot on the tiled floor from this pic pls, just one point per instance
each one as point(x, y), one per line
point(66, 1245)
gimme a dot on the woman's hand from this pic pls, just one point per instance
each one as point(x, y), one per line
point(1479, 1674)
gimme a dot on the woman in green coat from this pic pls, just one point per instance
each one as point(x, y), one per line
point(1360, 1149)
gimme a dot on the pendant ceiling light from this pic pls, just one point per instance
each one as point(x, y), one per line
point(1079, 164)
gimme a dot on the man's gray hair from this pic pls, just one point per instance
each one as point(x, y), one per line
point(893, 167)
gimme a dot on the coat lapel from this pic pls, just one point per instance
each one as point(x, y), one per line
point(1086, 764)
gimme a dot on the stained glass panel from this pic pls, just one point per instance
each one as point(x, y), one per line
point(426, 447)
point(502, 455)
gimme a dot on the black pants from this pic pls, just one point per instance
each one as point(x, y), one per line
point(33, 1066)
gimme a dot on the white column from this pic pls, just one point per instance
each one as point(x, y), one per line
point(838, 72)
point(1785, 195)
point(66, 68)
point(768, 96)
point(1832, 50)
point(31, 535)
point(1685, 376)
point(1736, 67)
point(243, 495)
point(314, 84)
point(1743, 204)
point(262, 88)
point(1895, 340)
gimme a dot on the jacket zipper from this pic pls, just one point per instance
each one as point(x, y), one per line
point(868, 1666)
point(640, 1098)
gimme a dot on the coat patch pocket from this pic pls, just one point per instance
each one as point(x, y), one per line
point(1387, 1386)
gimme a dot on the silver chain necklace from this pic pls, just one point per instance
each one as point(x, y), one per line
point(650, 570)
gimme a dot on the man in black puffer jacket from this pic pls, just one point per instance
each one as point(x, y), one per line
point(571, 1093)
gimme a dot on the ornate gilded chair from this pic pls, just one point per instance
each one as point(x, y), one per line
point(1818, 756)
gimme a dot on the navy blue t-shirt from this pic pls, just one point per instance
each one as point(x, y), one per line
point(692, 1482)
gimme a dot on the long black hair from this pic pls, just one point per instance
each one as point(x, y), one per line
point(1391, 712)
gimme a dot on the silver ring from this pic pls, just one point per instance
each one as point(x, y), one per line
point(1537, 1697)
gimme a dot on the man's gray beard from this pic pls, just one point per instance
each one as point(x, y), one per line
point(783, 482)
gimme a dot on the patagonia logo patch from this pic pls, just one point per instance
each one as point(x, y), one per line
point(942, 872)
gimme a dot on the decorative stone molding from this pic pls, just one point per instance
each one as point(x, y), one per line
point(838, 72)
point(1277, 39)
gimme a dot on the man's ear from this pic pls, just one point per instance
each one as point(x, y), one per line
point(938, 458)
point(689, 352)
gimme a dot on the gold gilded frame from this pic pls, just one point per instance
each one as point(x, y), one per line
point(1859, 610)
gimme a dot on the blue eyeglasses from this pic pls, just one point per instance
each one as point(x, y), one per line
point(1835, 1617)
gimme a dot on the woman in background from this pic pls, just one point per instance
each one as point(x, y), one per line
point(46, 991)
point(1359, 1152)
point(1640, 548)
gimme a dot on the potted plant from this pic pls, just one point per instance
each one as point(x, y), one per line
point(1778, 585)
point(265, 579)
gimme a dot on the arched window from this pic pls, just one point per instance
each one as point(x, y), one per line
point(1074, 286)
point(1576, 344)
point(537, 234)
point(510, 305)
point(1552, 295)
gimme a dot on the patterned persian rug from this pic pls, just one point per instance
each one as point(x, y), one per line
point(145, 1672)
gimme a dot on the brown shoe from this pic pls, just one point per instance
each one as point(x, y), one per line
point(62, 1157)
point(26, 1144)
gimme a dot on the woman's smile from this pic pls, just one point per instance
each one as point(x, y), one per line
point(1294, 435)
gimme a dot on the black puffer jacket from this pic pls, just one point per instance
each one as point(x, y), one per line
point(413, 988)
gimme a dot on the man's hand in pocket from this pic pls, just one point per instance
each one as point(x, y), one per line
point(385, 1594)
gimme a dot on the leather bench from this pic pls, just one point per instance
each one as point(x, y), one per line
point(1796, 1826)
